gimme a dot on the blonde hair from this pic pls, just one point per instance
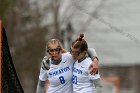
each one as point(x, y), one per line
point(56, 41)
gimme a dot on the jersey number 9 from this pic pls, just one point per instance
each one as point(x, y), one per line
point(74, 79)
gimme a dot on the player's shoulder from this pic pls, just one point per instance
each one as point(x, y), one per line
point(43, 75)
point(92, 49)
point(66, 55)
point(43, 72)
point(87, 62)
point(88, 59)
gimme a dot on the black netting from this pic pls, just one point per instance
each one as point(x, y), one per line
point(10, 81)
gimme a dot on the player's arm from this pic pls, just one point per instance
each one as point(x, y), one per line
point(98, 86)
point(94, 66)
point(40, 86)
point(46, 87)
point(45, 65)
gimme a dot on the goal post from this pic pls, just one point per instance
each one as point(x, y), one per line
point(0, 57)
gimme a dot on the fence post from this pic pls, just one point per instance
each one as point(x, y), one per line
point(0, 56)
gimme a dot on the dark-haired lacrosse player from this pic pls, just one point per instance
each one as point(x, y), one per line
point(83, 81)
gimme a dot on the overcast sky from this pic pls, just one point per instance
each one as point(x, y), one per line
point(114, 32)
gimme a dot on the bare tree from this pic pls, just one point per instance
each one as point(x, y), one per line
point(56, 4)
point(27, 41)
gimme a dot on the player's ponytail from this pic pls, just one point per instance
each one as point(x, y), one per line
point(80, 43)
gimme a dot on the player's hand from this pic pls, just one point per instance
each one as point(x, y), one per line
point(45, 64)
point(93, 68)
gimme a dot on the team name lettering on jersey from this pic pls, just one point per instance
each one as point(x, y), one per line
point(60, 71)
point(78, 71)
